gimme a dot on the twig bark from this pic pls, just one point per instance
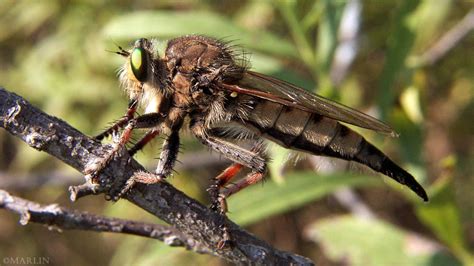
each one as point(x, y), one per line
point(62, 218)
point(54, 136)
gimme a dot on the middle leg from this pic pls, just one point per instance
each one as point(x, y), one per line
point(167, 159)
point(149, 136)
point(165, 165)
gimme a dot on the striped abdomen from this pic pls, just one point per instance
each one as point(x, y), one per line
point(316, 134)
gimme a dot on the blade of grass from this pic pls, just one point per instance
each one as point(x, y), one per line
point(326, 43)
point(401, 41)
point(258, 202)
point(287, 10)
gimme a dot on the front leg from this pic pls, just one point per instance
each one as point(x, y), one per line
point(145, 121)
point(122, 122)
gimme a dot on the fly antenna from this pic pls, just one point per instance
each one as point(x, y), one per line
point(120, 51)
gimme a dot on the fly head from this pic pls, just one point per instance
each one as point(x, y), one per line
point(143, 73)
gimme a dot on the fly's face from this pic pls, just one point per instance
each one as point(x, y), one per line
point(143, 75)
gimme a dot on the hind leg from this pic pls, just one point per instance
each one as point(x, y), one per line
point(241, 157)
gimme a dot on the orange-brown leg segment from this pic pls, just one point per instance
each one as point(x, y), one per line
point(220, 201)
point(228, 174)
point(220, 181)
point(149, 136)
point(132, 108)
point(250, 179)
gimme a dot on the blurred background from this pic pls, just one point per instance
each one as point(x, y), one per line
point(409, 63)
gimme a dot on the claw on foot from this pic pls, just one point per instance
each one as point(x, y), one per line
point(92, 167)
point(218, 201)
point(222, 203)
point(226, 241)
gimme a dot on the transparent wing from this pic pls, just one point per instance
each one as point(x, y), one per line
point(275, 90)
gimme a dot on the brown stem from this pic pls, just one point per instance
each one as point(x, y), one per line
point(63, 218)
point(54, 136)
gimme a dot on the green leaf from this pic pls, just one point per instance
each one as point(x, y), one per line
point(442, 215)
point(367, 242)
point(258, 202)
point(169, 24)
point(311, 19)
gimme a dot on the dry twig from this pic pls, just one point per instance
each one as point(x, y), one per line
point(54, 136)
point(60, 218)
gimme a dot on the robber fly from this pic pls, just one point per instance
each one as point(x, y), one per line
point(201, 80)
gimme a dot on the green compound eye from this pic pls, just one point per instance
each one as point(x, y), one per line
point(138, 62)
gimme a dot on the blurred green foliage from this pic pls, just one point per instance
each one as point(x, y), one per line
point(388, 245)
point(54, 53)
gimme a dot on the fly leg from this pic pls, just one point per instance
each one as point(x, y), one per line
point(150, 135)
point(241, 157)
point(168, 154)
point(220, 181)
point(145, 121)
point(165, 165)
point(218, 203)
point(218, 190)
point(250, 179)
point(122, 122)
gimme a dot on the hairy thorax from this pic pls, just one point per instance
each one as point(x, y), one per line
point(196, 64)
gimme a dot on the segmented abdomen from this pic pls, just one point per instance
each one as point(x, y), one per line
point(319, 135)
